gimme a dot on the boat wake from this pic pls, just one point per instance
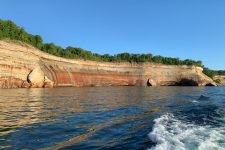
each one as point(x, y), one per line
point(170, 133)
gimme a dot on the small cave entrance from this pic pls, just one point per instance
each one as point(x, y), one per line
point(209, 84)
point(187, 82)
point(148, 83)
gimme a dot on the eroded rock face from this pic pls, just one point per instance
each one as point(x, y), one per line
point(48, 83)
point(151, 82)
point(36, 77)
point(24, 66)
point(220, 80)
point(25, 84)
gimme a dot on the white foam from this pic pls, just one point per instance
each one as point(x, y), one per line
point(170, 133)
point(194, 101)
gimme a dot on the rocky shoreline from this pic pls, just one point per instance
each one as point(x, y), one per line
point(23, 66)
point(220, 80)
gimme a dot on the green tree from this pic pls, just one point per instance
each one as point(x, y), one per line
point(9, 30)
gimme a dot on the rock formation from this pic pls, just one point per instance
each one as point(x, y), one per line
point(220, 79)
point(22, 65)
point(36, 77)
point(48, 83)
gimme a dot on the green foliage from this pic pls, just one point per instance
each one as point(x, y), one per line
point(9, 30)
point(209, 72)
point(217, 81)
point(212, 73)
point(220, 72)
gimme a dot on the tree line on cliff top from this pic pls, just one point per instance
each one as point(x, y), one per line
point(9, 30)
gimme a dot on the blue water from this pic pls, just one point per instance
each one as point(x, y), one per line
point(163, 118)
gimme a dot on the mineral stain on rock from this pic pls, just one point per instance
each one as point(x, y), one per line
point(23, 66)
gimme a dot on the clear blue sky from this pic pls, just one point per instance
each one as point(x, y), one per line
point(177, 28)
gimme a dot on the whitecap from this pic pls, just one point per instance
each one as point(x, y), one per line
point(170, 133)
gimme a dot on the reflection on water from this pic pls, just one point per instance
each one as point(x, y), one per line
point(81, 118)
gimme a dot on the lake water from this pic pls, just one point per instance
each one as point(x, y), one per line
point(173, 118)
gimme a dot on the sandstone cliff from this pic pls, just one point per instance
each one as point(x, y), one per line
point(220, 79)
point(22, 65)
